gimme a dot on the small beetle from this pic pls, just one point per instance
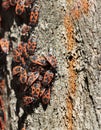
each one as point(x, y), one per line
point(35, 90)
point(48, 77)
point(52, 60)
point(2, 86)
point(23, 77)
point(4, 45)
point(42, 90)
point(16, 56)
point(20, 7)
point(32, 77)
point(39, 60)
point(17, 70)
point(34, 15)
point(46, 97)
point(27, 100)
point(31, 46)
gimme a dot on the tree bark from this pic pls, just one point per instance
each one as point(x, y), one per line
point(70, 30)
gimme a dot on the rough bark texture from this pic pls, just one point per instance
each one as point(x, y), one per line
point(70, 30)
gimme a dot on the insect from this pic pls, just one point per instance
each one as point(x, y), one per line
point(20, 7)
point(4, 45)
point(17, 70)
point(34, 16)
point(27, 100)
point(46, 96)
point(42, 90)
point(23, 77)
point(31, 46)
point(5, 4)
point(51, 60)
point(48, 77)
point(39, 60)
point(32, 77)
point(35, 90)
point(17, 56)
point(2, 85)
point(13, 2)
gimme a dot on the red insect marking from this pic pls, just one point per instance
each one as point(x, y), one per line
point(34, 15)
point(20, 7)
point(32, 77)
point(48, 76)
point(2, 85)
point(35, 90)
point(31, 46)
point(23, 77)
point(52, 60)
point(4, 45)
point(17, 70)
point(46, 97)
point(27, 100)
point(39, 60)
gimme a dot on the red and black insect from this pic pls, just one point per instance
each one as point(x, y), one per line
point(48, 77)
point(17, 70)
point(32, 77)
point(31, 46)
point(27, 100)
point(4, 45)
point(34, 15)
point(17, 56)
point(46, 97)
point(2, 86)
point(23, 77)
point(35, 90)
point(20, 7)
point(51, 60)
point(39, 60)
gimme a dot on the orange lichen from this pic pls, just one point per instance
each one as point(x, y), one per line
point(72, 74)
point(75, 11)
point(84, 6)
point(70, 113)
point(70, 33)
point(72, 77)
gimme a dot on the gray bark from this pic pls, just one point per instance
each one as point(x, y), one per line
point(66, 111)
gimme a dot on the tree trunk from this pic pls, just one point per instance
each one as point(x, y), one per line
point(70, 30)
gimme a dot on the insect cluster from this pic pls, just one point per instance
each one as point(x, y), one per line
point(4, 48)
point(32, 73)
